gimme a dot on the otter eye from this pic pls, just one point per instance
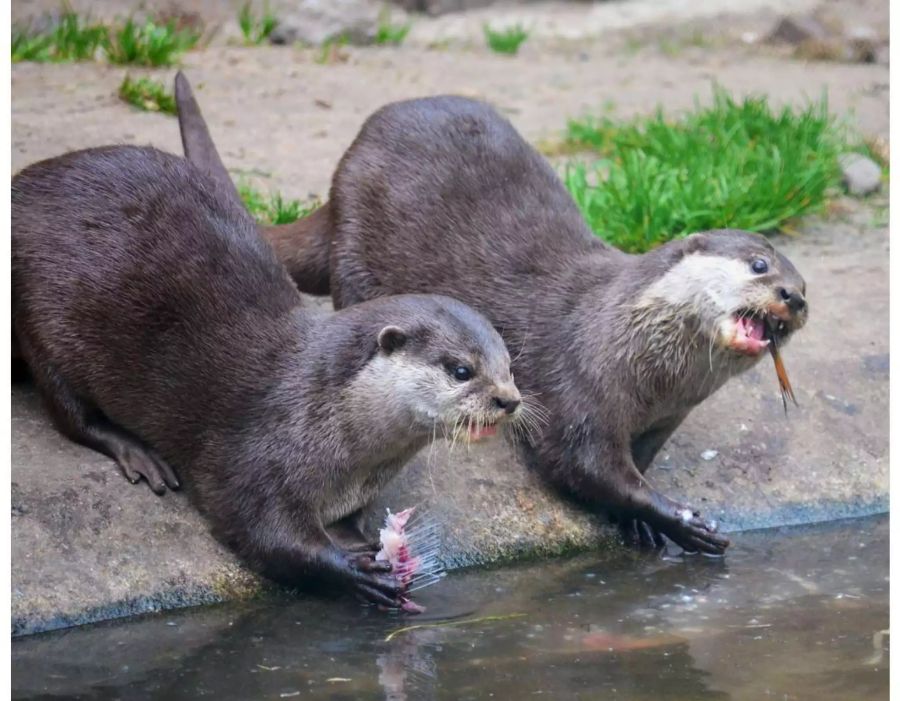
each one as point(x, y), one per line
point(759, 266)
point(461, 373)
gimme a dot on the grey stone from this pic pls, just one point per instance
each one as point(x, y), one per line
point(796, 30)
point(861, 175)
point(317, 21)
point(863, 44)
point(443, 7)
point(87, 545)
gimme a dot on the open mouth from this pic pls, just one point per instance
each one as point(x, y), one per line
point(479, 431)
point(753, 333)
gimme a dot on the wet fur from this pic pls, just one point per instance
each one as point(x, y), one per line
point(156, 321)
point(442, 195)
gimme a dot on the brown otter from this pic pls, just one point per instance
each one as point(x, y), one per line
point(162, 331)
point(443, 195)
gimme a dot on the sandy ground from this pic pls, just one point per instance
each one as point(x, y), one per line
point(278, 114)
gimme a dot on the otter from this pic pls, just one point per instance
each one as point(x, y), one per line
point(162, 331)
point(441, 194)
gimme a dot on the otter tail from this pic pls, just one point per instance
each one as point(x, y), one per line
point(198, 145)
point(304, 246)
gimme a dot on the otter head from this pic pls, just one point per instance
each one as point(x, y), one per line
point(741, 292)
point(452, 371)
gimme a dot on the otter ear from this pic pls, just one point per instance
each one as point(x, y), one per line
point(391, 338)
point(695, 243)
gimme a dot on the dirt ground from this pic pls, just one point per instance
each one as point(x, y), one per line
point(282, 117)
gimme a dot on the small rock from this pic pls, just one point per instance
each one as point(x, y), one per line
point(441, 7)
point(863, 44)
point(862, 34)
point(861, 175)
point(796, 30)
point(709, 454)
point(318, 21)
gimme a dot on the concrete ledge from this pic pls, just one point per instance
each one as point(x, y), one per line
point(87, 545)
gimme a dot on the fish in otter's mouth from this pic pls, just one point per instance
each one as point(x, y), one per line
point(754, 333)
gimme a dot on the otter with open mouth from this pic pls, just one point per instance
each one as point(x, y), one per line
point(162, 331)
point(441, 194)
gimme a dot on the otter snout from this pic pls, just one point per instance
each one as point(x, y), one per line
point(793, 299)
point(787, 312)
point(507, 405)
point(507, 399)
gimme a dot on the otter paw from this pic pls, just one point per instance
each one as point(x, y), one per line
point(367, 562)
point(363, 548)
point(137, 463)
point(380, 589)
point(693, 534)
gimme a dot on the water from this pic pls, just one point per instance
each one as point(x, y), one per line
point(789, 614)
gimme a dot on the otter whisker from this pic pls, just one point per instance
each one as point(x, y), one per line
point(537, 411)
point(521, 349)
point(431, 445)
point(526, 425)
point(454, 436)
point(519, 433)
point(535, 414)
point(429, 462)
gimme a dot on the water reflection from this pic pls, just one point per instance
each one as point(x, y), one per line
point(797, 614)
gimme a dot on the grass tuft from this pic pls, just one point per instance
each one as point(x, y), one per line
point(388, 34)
point(149, 44)
point(332, 51)
point(148, 95)
point(733, 164)
point(74, 39)
point(272, 208)
point(256, 29)
point(506, 41)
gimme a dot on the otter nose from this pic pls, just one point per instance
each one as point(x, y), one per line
point(508, 405)
point(793, 298)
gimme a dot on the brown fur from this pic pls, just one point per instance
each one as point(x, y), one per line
point(162, 331)
point(442, 195)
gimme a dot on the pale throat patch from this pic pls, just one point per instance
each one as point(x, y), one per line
point(700, 279)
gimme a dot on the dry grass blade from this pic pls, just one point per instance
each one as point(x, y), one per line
point(448, 624)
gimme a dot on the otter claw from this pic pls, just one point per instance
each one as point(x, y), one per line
point(368, 563)
point(156, 472)
point(371, 595)
point(641, 533)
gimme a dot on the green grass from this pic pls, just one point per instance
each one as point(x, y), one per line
point(148, 95)
point(739, 164)
point(149, 44)
point(75, 39)
point(256, 29)
point(389, 34)
point(272, 208)
point(506, 41)
point(331, 50)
